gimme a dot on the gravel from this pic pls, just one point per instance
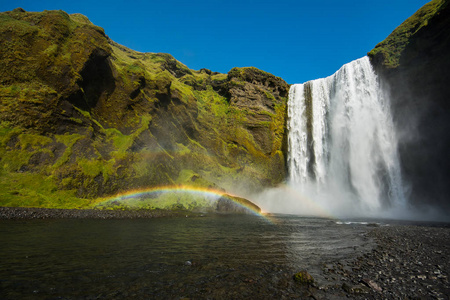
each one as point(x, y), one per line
point(409, 262)
point(50, 213)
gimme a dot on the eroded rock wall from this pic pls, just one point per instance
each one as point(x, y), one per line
point(414, 63)
point(84, 117)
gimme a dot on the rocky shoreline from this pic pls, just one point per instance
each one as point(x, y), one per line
point(13, 213)
point(409, 262)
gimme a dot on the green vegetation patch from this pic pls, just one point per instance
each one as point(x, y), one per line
point(170, 199)
point(152, 122)
point(392, 47)
point(68, 140)
point(36, 190)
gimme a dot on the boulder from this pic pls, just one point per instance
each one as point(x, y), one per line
point(236, 205)
point(304, 277)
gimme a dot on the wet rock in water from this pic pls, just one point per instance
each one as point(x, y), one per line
point(304, 277)
point(236, 205)
point(355, 289)
point(372, 284)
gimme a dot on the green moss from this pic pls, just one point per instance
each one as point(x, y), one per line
point(140, 169)
point(304, 278)
point(29, 189)
point(33, 141)
point(392, 47)
point(18, 155)
point(269, 96)
point(182, 149)
point(7, 132)
point(199, 140)
point(278, 125)
point(219, 77)
point(197, 144)
point(191, 178)
point(182, 90)
point(244, 138)
point(122, 142)
point(171, 199)
point(36, 190)
point(209, 102)
point(135, 68)
point(93, 168)
point(9, 91)
point(13, 161)
point(20, 27)
point(186, 176)
point(76, 120)
point(79, 18)
point(68, 140)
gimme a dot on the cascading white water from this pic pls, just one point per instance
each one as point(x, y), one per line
point(342, 144)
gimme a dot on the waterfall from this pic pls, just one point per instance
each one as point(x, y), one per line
point(342, 144)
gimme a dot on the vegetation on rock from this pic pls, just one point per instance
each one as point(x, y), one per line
point(389, 52)
point(82, 117)
point(414, 62)
point(304, 277)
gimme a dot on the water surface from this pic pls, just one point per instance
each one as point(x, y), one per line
point(154, 258)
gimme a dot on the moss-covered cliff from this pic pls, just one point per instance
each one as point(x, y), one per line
point(82, 117)
point(414, 63)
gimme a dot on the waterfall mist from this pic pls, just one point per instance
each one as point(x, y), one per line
point(342, 149)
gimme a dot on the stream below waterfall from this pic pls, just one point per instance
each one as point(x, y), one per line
point(210, 256)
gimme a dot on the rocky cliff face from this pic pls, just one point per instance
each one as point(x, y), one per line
point(83, 117)
point(414, 63)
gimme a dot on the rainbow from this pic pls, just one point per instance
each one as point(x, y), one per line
point(316, 208)
point(287, 199)
point(200, 192)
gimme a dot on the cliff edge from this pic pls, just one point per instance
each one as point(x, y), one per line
point(83, 117)
point(414, 64)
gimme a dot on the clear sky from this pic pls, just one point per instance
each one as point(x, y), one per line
point(294, 39)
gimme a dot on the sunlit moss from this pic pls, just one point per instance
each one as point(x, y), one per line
point(36, 190)
point(182, 149)
point(392, 47)
point(33, 141)
point(167, 200)
point(278, 125)
point(68, 140)
point(211, 102)
point(119, 143)
point(18, 155)
point(93, 168)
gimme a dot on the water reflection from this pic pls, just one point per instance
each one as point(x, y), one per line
point(87, 258)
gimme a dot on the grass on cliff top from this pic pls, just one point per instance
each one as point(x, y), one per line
point(392, 47)
point(246, 73)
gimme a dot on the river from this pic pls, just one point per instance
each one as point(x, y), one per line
point(200, 257)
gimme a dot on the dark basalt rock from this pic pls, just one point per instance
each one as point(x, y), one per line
point(414, 64)
point(236, 205)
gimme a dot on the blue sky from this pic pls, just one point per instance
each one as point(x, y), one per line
point(295, 40)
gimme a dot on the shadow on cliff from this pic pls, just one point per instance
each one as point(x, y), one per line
point(420, 96)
